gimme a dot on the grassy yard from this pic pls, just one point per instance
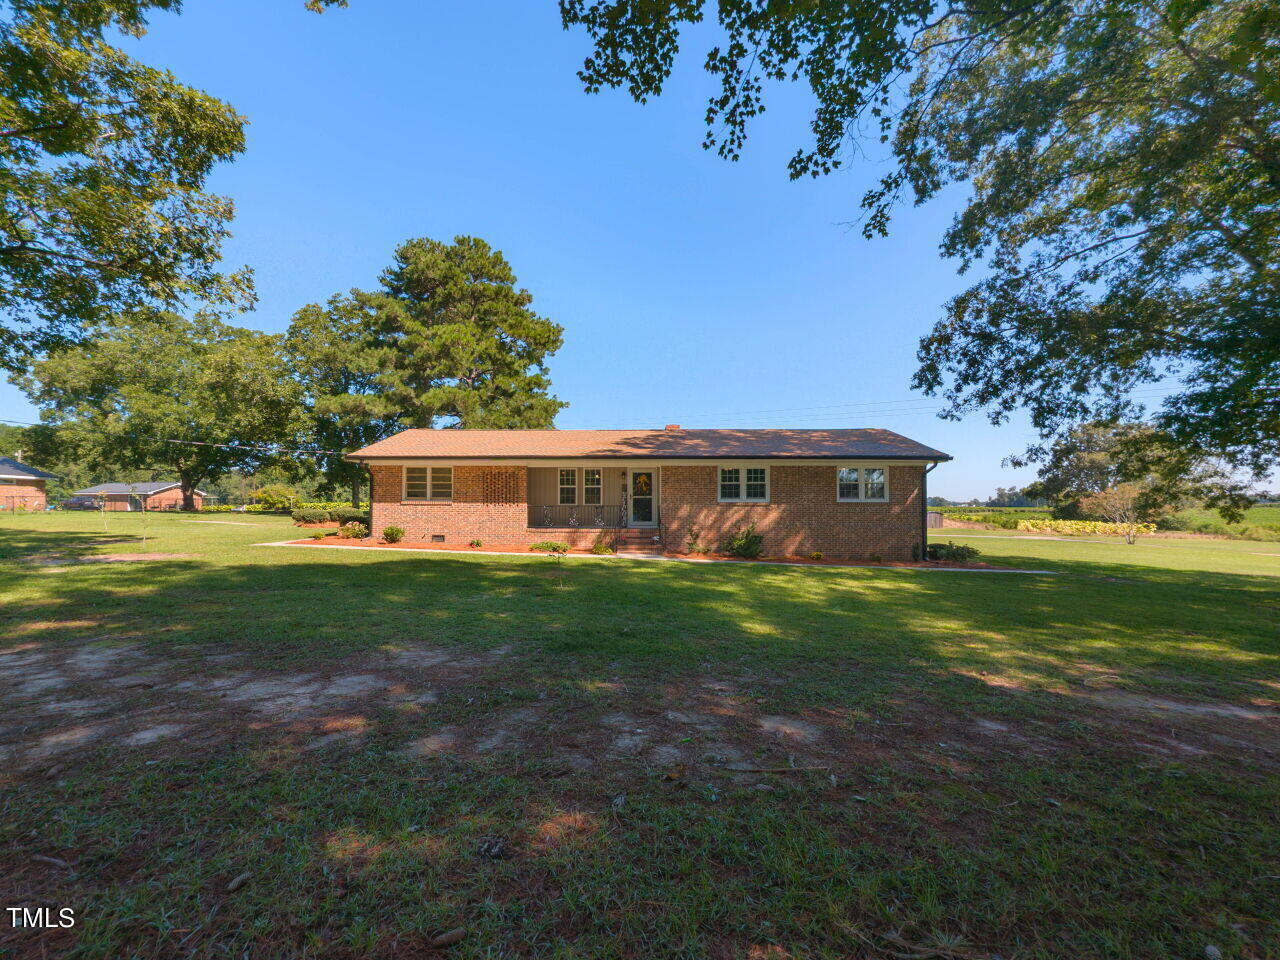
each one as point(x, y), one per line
point(621, 758)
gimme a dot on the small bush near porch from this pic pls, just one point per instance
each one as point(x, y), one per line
point(217, 749)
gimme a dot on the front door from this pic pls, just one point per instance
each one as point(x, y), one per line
point(641, 498)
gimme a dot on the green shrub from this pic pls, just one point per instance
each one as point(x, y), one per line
point(745, 543)
point(953, 552)
point(1004, 521)
point(550, 546)
point(275, 498)
point(218, 508)
point(327, 505)
point(816, 555)
point(475, 543)
point(349, 514)
point(319, 534)
point(310, 516)
point(601, 549)
point(353, 531)
point(876, 558)
point(393, 534)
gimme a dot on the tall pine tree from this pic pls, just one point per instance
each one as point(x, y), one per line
point(457, 341)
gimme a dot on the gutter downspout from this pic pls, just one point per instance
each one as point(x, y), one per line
point(924, 510)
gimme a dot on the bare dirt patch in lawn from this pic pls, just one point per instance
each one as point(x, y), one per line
point(439, 701)
point(131, 696)
point(1124, 700)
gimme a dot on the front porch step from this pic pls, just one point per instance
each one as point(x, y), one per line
point(639, 541)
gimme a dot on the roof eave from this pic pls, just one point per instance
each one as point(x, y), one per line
point(933, 456)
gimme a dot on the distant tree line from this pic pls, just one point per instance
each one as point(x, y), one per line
point(1101, 470)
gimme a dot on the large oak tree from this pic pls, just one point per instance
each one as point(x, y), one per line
point(103, 162)
point(1124, 165)
point(195, 397)
point(332, 350)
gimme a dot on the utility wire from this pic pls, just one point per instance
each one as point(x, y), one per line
point(897, 407)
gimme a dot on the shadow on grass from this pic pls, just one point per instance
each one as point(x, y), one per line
point(1168, 628)
point(365, 853)
point(25, 544)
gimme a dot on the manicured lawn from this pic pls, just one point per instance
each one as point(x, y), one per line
point(564, 759)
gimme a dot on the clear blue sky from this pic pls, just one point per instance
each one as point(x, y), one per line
point(691, 290)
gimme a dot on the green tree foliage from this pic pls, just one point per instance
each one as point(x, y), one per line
point(163, 393)
point(1012, 497)
point(13, 441)
point(1124, 171)
point(102, 168)
point(448, 340)
point(333, 351)
point(1092, 458)
point(102, 163)
point(456, 340)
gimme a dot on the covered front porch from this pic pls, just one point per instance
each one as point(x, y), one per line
point(593, 497)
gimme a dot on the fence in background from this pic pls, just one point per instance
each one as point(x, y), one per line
point(21, 505)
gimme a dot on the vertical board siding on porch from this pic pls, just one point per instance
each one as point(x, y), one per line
point(490, 504)
point(544, 485)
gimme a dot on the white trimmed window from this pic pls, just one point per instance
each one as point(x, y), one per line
point(861, 483)
point(592, 486)
point(428, 483)
point(744, 484)
point(568, 486)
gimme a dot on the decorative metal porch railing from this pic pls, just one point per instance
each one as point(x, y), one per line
point(589, 516)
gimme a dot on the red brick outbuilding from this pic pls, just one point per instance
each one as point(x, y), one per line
point(149, 495)
point(22, 487)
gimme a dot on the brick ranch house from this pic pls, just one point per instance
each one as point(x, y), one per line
point(152, 495)
point(22, 487)
point(844, 493)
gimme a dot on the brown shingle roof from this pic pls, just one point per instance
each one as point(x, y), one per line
point(668, 444)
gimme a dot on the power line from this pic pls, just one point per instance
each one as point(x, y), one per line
point(890, 408)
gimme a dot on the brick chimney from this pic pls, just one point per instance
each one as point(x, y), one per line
point(672, 426)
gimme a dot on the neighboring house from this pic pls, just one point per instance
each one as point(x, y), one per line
point(842, 493)
point(151, 495)
point(22, 487)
